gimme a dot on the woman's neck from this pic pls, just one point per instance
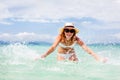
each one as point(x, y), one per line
point(68, 38)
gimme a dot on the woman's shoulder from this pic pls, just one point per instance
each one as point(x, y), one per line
point(77, 38)
point(58, 37)
point(79, 41)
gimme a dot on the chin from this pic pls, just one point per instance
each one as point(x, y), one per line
point(68, 37)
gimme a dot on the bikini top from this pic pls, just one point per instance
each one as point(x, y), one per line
point(64, 46)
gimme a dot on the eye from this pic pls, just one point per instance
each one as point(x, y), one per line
point(72, 30)
point(66, 30)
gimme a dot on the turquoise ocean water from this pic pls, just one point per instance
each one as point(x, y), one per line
point(17, 63)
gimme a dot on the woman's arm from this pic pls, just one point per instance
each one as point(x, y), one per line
point(52, 48)
point(88, 50)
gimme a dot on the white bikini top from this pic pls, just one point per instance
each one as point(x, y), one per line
point(64, 46)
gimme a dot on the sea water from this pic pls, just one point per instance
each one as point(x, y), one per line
point(17, 62)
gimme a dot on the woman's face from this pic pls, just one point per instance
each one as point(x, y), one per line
point(69, 32)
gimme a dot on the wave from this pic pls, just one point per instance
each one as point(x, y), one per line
point(17, 53)
point(25, 42)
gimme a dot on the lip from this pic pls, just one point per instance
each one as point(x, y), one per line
point(68, 35)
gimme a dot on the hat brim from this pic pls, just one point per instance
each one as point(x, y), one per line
point(62, 29)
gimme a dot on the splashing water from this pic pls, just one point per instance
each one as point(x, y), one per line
point(18, 53)
point(17, 63)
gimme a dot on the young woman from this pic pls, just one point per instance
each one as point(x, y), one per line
point(66, 41)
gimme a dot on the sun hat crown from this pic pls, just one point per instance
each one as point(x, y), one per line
point(69, 24)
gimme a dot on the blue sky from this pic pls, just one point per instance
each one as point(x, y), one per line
point(40, 20)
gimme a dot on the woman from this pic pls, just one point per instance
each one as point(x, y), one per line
point(66, 41)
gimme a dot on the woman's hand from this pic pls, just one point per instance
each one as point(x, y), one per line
point(104, 60)
point(41, 57)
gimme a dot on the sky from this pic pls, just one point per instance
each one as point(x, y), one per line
point(40, 20)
